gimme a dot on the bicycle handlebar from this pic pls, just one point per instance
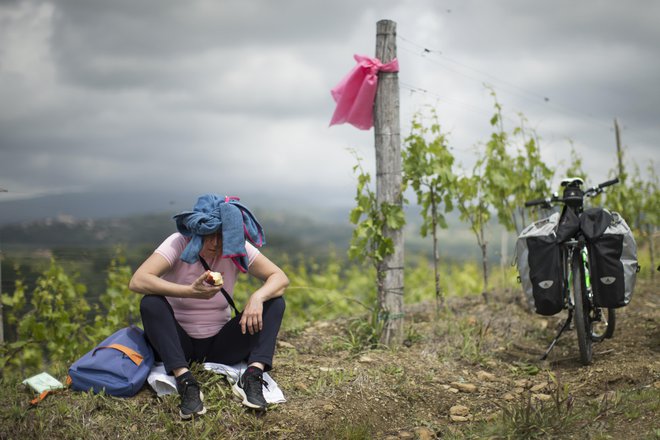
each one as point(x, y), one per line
point(609, 183)
point(537, 202)
point(594, 191)
point(591, 192)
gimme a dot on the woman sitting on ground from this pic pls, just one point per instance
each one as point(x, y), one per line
point(187, 318)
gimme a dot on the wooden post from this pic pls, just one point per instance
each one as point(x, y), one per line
point(2, 322)
point(388, 183)
point(504, 255)
point(619, 153)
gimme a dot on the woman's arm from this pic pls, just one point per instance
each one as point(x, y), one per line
point(147, 280)
point(275, 282)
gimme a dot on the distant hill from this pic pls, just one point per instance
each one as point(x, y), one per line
point(292, 233)
point(86, 245)
point(289, 234)
point(85, 228)
point(94, 220)
point(297, 226)
point(88, 205)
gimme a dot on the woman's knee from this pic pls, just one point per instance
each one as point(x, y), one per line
point(276, 305)
point(150, 304)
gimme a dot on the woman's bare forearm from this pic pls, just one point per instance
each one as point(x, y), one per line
point(149, 284)
point(274, 286)
point(147, 280)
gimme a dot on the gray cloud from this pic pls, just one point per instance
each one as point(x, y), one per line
point(159, 95)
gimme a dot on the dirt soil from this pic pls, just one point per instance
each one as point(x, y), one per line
point(463, 367)
point(471, 370)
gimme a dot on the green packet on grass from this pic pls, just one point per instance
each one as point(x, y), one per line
point(43, 382)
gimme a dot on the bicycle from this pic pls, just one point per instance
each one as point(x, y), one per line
point(592, 323)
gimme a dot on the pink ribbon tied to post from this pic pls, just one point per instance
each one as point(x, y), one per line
point(355, 93)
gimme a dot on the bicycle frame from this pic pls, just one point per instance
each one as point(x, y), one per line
point(569, 248)
point(587, 276)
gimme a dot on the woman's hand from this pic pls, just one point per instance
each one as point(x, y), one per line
point(200, 289)
point(275, 281)
point(252, 318)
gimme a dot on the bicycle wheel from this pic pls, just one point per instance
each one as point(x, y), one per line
point(582, 321)
point(602, 324)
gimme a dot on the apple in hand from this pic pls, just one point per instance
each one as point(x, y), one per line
point(214, 279)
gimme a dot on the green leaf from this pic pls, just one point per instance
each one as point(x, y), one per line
point(7, 300)
point(531, 370)
point(355, 215)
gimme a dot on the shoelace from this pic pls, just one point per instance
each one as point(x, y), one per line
point(258, 379)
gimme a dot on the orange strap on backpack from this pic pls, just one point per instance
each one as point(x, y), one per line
point(132, 354)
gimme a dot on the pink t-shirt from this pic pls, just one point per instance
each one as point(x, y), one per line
point(200, 318)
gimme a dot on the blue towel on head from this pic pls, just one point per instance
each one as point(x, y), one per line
point(212, 213)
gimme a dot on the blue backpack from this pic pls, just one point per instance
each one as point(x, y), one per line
point(119, 365)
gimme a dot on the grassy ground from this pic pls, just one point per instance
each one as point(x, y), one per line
point(470, 371)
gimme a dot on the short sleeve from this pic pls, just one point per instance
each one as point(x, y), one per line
point(251, 252)
point(172, 248)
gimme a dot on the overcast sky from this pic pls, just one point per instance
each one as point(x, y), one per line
point(232, 96)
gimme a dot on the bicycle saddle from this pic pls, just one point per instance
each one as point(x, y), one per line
point(576, 182)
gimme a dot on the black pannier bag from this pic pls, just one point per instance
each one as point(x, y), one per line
point(539, 264)
point(612, 257)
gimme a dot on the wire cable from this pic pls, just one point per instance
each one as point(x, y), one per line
point(422, 52)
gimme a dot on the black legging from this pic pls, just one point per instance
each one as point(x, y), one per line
point(229, 346)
